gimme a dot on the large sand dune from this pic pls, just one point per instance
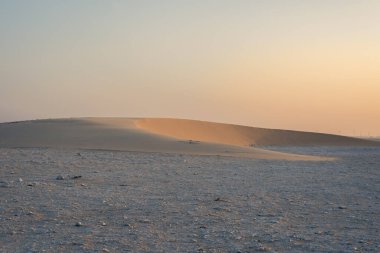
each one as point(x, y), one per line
point(244, 135)
point(162, 135)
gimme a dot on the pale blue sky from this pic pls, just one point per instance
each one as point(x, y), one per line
point(306, 65)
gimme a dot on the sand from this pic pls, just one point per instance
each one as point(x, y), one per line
point(165, 136)
point(244, 135)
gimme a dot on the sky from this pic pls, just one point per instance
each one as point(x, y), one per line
point(295, 64)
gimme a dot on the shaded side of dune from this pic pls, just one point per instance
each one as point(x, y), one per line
point(80, 133)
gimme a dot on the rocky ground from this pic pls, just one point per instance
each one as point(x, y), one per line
point(101, 201)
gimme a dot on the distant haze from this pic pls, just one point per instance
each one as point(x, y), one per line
point(301, 65)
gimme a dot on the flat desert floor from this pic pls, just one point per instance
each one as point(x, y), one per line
point(67, 200)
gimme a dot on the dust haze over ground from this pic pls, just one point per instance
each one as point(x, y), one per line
point(150, 202)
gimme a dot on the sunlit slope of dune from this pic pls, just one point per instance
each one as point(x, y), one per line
point(119, 134)
point(243, 135)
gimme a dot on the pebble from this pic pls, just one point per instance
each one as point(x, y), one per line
point(78, 224)
point(20, 180)
point(103, 224)
point(263, 248)
point(4, 184)
point(59, 177)
point(128, 225)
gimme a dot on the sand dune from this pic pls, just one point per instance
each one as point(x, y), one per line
point(243, 135)
point(162, 135)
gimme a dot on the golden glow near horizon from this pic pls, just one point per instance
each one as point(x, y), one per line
point(303, 65)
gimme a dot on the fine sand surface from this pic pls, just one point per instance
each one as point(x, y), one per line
point(165, 136)
point(110, 201)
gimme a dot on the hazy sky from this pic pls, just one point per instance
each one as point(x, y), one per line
point(304, 65)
